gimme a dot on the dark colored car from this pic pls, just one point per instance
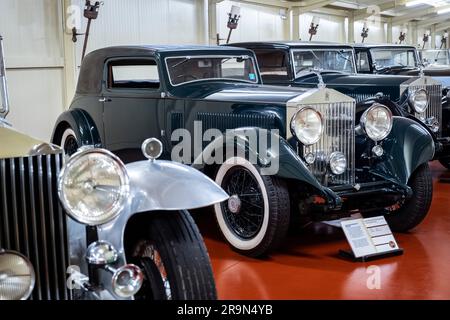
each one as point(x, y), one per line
point(277, 151)
point(435, 58)
point(290, 64)
point(405, 60)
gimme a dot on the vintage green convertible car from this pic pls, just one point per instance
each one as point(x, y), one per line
point(277, 151)
point(305, 63)
point(124, 235)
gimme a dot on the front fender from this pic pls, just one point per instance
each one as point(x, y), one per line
point(154, 186)
point(82, 124)
point(162, 186)
point(407, 147)
point(283, 161)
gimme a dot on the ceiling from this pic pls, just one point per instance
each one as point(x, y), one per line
point(423, 12)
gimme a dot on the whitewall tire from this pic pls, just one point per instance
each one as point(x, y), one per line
point(69, 142)
point(255, 219)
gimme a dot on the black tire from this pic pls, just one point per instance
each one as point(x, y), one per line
point(178, 267)
point(415, 209)
point(275, 224)
point(445, 162)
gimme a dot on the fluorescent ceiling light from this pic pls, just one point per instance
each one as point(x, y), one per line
point(415, 3)
point(443, 11)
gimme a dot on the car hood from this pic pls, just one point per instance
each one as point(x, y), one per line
point(236, 92)
point(16, 144)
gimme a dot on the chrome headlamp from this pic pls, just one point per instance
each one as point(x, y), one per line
point(377, 122)
point(418, 100)
point(307, 126)
point(94, 186)
point(17, 277)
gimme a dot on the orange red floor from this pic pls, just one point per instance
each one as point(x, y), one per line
point(308, 265)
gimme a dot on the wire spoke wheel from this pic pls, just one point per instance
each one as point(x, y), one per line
point(244, 211)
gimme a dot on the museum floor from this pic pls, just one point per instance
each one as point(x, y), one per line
point(308, 266)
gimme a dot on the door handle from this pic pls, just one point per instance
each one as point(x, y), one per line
point(104, 99)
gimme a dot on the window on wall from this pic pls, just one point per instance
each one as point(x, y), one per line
point(362, 61)
point(273, 64)
point(133, 74)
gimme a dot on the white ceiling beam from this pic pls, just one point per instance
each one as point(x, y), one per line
point(438, 19)
point(443, 26)
point(313, 5)
point(417, 13)
point(362, 14)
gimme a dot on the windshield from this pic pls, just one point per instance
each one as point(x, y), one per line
point(436, 56)
point(197, 68)
point(327, 60)
point(386, 58)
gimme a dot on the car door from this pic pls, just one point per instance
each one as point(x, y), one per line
point(133, 107)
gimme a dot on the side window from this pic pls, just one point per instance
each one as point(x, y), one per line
point(273, 64)
point(362, 61)
point(133, 74)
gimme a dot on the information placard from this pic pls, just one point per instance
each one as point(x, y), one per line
point(369, 237)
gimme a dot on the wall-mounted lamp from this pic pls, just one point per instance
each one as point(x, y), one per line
point(426, 38)
point(233, 20)
point(313, 27)
point(283, 14)
point(90, 13)
point(365, 32)
point(444, 39)
point(402, 36)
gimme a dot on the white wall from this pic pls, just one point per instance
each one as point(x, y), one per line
point(34, 61)
point(331, 28)
point(257, 22)
point(144, 22)
point(377, 32)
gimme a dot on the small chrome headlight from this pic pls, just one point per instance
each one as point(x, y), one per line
point(377, 122)
point(419, 100)
point(127, 281)
point(93, 186)
point(17, 277)
point(307, 126)
point(338, 163)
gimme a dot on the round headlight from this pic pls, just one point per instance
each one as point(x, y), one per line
point(419, 100)
point(307, 126)
point(377, 122)
point(93, 186)
point(17, 276)
point(338, 163)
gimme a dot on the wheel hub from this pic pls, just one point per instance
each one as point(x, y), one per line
point(234, 204)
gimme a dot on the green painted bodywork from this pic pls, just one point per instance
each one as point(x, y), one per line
point(127, 117)
point(407, 147)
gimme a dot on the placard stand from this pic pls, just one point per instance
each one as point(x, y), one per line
point(369, 239)
point(348, 254)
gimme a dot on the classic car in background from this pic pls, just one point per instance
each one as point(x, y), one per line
point(435, 58)
point(119, 233)
point(297, 64)
point(333, 157)
point(405, 60)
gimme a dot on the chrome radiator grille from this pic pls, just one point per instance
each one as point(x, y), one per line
point(434, 89)
point(338, 135)
point(434, 109)
point(32, 221)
